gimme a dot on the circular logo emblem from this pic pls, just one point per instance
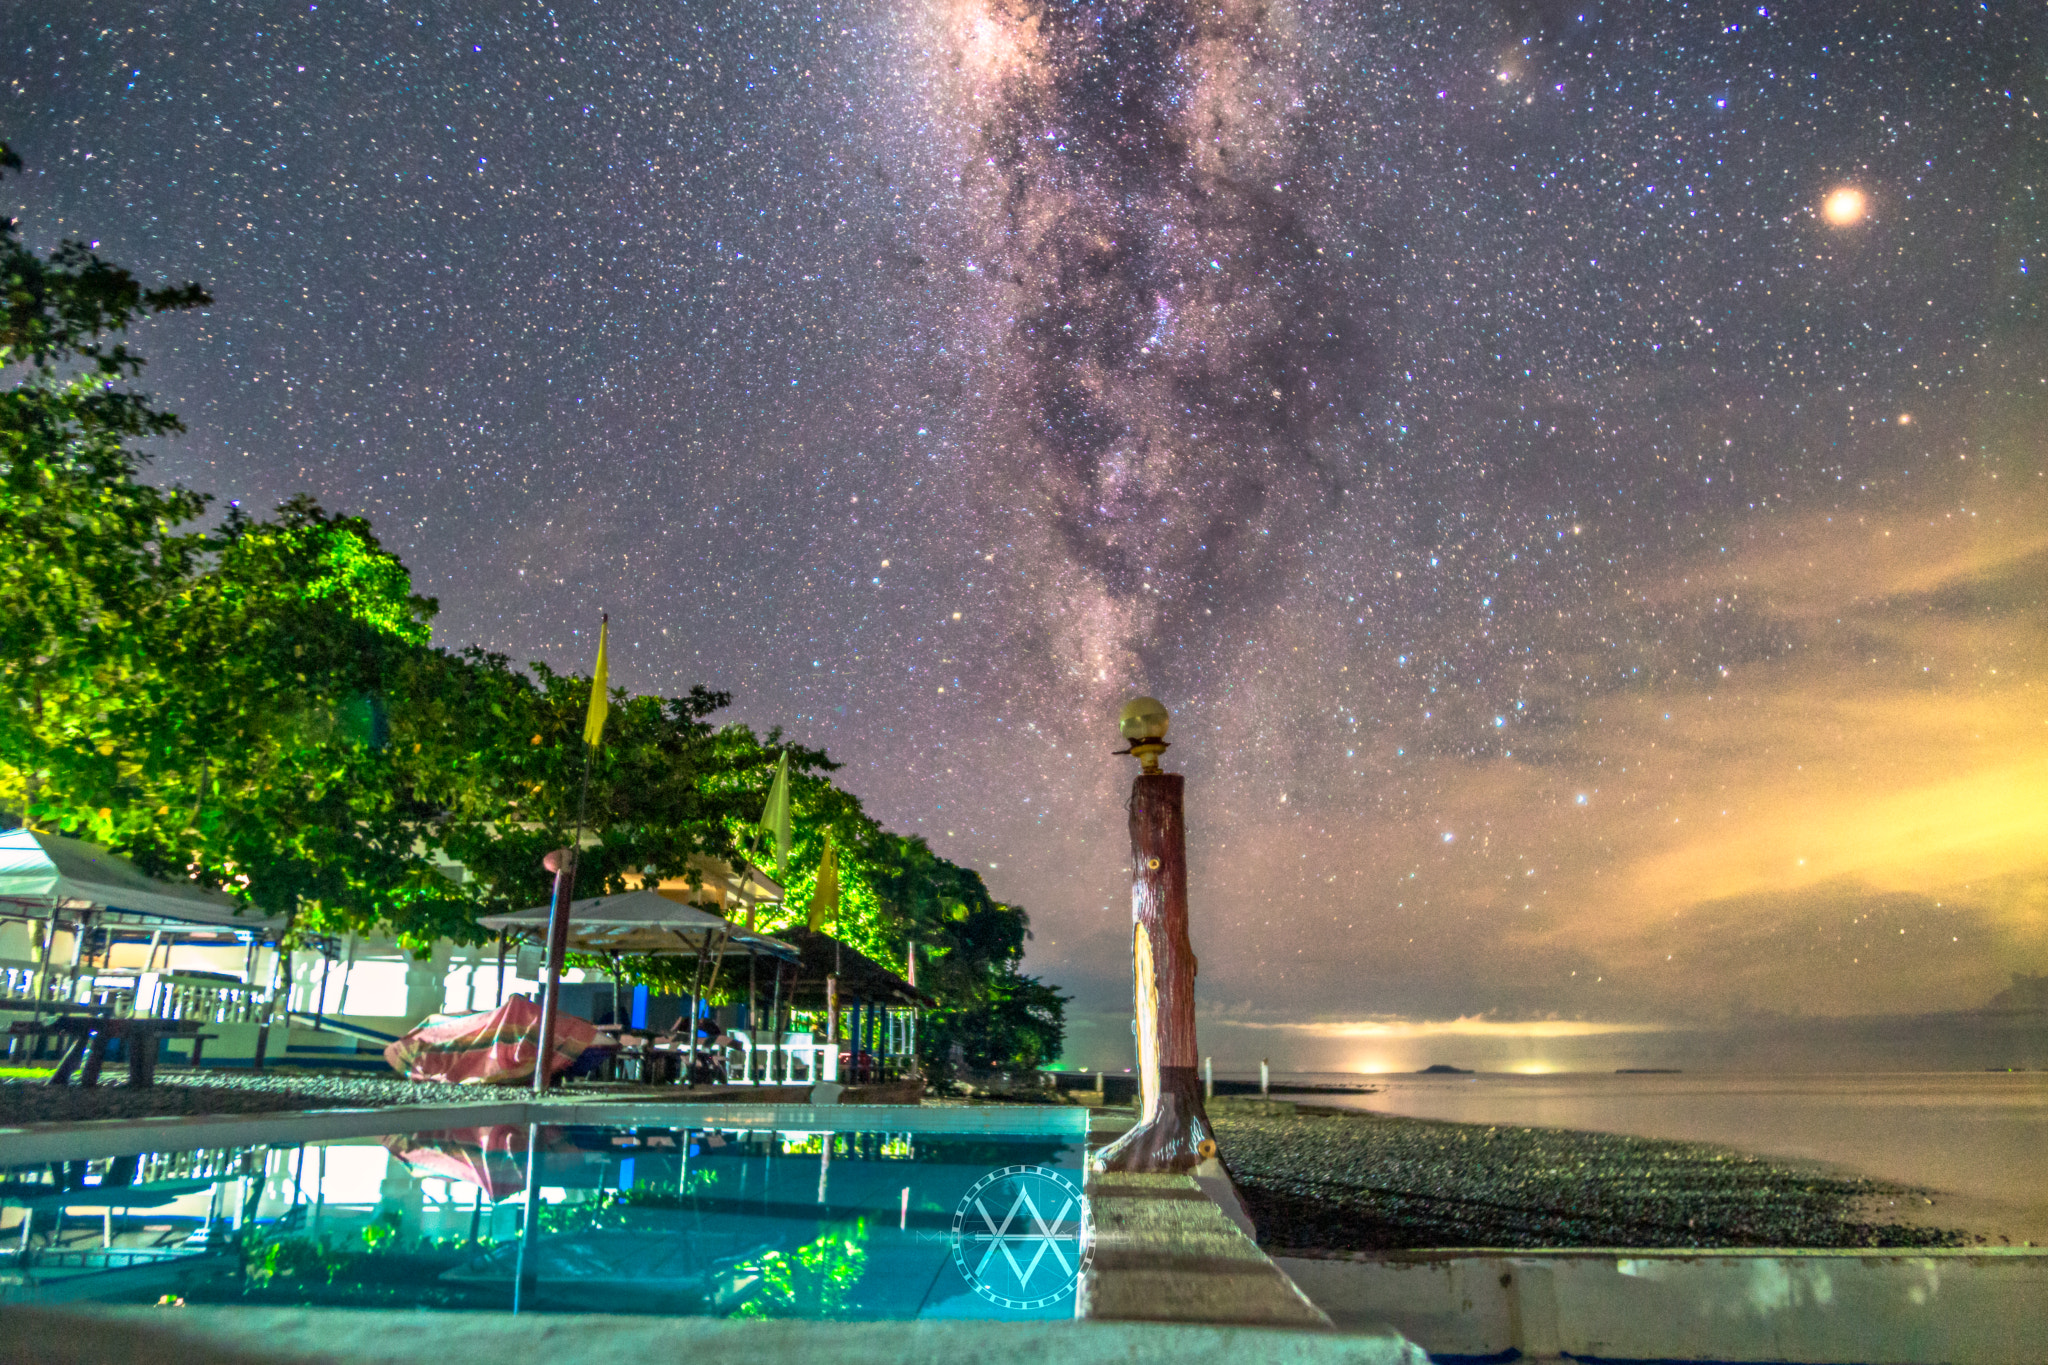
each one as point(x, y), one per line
point(1017, 1236)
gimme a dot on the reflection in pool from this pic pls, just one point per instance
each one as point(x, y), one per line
point(749, 1223)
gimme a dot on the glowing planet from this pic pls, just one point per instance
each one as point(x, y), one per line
point(1844, 207)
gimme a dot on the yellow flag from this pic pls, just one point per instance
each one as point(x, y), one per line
point(600, 697)
point(775, 815)
point(825, 895)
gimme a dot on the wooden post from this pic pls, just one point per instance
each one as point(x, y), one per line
point(831, 1030)
point(776, 1010)
point(1173, 1131)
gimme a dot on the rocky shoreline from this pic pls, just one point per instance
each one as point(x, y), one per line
point(1321, 1181)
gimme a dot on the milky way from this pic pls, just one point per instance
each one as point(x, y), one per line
point(1592, 577)
point(1169, 355)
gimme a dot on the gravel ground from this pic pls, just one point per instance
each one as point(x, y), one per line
point(1365, 1182)
point(228, 1092)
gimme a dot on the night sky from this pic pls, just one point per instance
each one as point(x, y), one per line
point(1596, 565)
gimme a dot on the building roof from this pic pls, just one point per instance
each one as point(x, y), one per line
point(860, 976)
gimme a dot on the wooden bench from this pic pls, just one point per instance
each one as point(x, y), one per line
point(89, 1035)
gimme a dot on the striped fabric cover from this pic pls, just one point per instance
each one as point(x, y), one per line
point(487, 1049)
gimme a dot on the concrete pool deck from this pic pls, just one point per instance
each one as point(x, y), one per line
point(267, 1336)
point(1172, 1275)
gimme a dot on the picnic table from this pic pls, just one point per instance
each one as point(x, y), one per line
point(89, 1035)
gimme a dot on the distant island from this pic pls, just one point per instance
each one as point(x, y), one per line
point(1441, 1070)
point(1647, 1071)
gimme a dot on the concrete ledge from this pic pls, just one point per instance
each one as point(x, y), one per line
point(1879, 1307)
point(264, 1336)
point(1160, 1250)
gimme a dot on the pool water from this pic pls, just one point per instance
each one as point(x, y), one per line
point(723, 1222)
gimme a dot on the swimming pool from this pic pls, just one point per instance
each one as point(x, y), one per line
point(818, 1213)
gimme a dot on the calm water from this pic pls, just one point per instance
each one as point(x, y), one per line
point(1983, 1135)
point(725, 1223)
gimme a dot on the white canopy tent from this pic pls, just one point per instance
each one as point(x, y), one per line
point(41, 873)
point(54, 879)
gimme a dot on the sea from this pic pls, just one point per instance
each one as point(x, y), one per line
point(1977, 1140)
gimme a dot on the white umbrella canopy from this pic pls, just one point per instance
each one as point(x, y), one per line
point(643, 922)
point(43, 871)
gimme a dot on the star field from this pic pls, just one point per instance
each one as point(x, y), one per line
point(1593, 571)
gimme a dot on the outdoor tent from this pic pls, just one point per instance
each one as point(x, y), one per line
point(41, 872)
point(644, 922)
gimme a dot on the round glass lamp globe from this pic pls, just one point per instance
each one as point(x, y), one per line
point(1143, 718)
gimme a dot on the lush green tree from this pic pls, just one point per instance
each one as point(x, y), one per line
point(260, 706)
point(1001, 1021)
point(507, 768)
point(273, 768)
point(89, 556)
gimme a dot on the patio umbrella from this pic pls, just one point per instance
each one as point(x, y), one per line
point(654, 923)
point(644, 922)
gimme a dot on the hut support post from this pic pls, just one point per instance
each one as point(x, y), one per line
point(831, 1028)
point(1173, 1131)
point(43, 965)
point(777, 1009)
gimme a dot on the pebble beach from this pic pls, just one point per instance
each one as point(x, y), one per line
point(1345, 1180)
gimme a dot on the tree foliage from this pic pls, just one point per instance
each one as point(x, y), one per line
point(258, 705)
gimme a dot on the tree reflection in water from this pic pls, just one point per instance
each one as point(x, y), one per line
point(816, 1280)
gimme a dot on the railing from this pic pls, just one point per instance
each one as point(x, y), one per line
point(107, 995)
point(100, 994)
point(207, 1000)
point(802, 1061)
point(17, 983)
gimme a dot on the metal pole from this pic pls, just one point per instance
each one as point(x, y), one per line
point(43, 964)
point(561, 862)
point(527, 1264)
point(249, 977)
point(77, 953)
point(326, 966)
point(348, 970)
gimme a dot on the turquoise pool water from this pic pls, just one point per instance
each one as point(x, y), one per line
point(655, 1218)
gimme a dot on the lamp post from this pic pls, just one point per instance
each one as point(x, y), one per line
point(1173, 1131)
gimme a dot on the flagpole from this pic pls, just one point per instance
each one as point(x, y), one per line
point(562, 862)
